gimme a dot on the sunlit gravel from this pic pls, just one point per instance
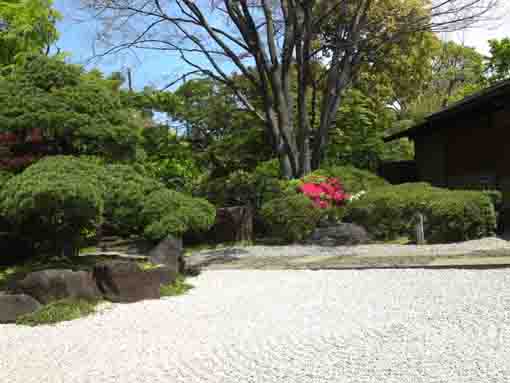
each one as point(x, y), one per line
point(283, 326)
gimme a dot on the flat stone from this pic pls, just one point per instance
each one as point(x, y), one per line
point(13, 306)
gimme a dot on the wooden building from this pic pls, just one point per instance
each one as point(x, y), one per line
point(466, 145)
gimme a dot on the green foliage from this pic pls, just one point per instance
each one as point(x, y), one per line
point(170, 159)
point(50, 204)
point(26, 27)
point(291, 218)
point(451, 216)
point(4, 177)
point(498, 64)
point(78, 112)
point(60, 311)
point(241, 188)
point(353, 179)
point(179, 287)
point(169, 212)
point(125, 189)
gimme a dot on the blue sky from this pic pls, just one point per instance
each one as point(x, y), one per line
point(77, 31)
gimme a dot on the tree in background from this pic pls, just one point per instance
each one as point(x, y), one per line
point(276, 36)
point(498, 64)
point(75, 112)
point(26, 27)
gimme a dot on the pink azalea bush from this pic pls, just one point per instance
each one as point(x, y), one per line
point(324, 192)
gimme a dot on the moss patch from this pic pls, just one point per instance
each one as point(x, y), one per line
point(179, 287)
point(60, 311)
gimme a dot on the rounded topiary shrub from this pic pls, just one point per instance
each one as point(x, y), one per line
point(53, 204)
point(291, 218)
point(169, 212)
point(125, 192)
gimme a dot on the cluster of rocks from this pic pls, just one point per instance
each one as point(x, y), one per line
point(116, 280)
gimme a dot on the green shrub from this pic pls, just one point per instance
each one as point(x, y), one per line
point(53, 203)
point(353, 179)
point(169, 212)
point(60, 311)
point(291, 218)
point(451, 216)
point(125, 192)
point(4, 177)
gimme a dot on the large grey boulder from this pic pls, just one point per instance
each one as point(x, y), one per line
point(169, 252)
point(16, 305)
point(342, 234)
point(125, 282)
point(50, 285)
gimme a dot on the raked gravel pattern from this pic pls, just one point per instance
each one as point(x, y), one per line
point(283, 326)
point(460, 248)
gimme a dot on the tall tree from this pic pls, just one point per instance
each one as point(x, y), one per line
point(26, 27)
point(276, 35)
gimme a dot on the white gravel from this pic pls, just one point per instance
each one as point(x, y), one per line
point(283, 326)
point(367, 250)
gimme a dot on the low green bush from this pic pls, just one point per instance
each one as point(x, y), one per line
point(450, 216)
point(59, 311)
point(291, 218)
point(169, 212)
point(53, 204)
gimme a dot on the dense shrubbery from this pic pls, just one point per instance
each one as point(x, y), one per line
point(51, 206)
point(125, 191)
point(291, 218)
point(169, 212)
point(451, 216)
point(4, 177)
point(60, 200)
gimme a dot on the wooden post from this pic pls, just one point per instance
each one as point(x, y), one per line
point(420, 230)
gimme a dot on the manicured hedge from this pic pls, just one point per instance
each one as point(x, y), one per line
point(450, 216)
point(291, 218)
point(60, 200)
point(51, 206)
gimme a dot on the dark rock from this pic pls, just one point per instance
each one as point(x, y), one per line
point(121, 281)
point(51, 285)
point(14, 306)
point(165, 274)
point(343, 234)
point(233, 224)
point(169, 253)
